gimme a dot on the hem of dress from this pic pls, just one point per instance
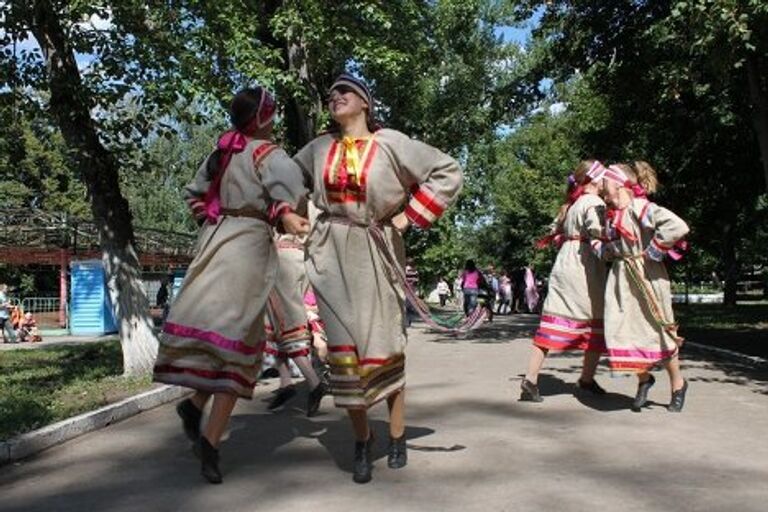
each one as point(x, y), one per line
point(203, 388)
point(365, 407)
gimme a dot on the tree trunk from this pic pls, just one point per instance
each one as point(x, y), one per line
point(731, 267)
point(70, 107)
point(758, 93)
point(300, 122)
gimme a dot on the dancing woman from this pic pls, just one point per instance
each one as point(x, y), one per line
point(572, 315)
point(369, 184)
point(213, 338)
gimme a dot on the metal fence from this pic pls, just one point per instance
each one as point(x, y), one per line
point(44, 309)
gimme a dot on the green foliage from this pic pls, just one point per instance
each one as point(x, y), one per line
point(35, 171)
point(154, 185)
point(672, 87)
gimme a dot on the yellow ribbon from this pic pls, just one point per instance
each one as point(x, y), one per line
point(352, 157)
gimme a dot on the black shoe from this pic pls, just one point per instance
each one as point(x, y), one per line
point(209, 456)
point(190, 417)
point(363, 466)
point(642, 394)
point(315, 396)
point(398, 453)
point(529, 392)
point(282, 396)
point(678, 399)
point(591, 386)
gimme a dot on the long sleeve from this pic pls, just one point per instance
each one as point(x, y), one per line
point(305, 159)
point(284, 180)
point(594, 226)
point(194, 192)
point(435, 178)
point(667, 228)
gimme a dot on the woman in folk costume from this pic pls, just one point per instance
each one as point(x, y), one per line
point(640, 329)
point(288, 328)
point(361, 178)
point(213, 338)
point(572, 315)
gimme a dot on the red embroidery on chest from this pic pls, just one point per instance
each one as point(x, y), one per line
point(342, 186)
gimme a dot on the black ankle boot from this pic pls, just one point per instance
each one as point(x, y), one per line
point(642, 394)
point(363, 468)
point(315, 396)
point(398, 453)
point(210, 461)
point(678, 399)
point(190, 417)
point(529, 392)
point(281, 397)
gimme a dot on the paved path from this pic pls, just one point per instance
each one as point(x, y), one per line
point(473, 446)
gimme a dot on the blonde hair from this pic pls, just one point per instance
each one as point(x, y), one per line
point(640, 172)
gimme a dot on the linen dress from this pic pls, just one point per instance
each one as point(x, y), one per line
point(214, 337)
point(572, 314)
point(356, 184)
point(639, 322)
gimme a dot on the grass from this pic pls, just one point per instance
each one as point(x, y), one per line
point(743, 328)
point(717, 316)
point(45, 385)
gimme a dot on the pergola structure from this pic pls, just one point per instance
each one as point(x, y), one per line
point(34, 237)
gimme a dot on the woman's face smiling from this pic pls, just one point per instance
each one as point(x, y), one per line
point(344, 103)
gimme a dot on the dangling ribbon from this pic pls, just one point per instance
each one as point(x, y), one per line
point(637, 189)
point(677, 252)
point(352, 158)
point(229, 143)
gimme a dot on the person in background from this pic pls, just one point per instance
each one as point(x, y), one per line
point(28, 331)
point(491, 292)
point(531, 291)
point(443, 291)
point(163, 296)
point(471, 280)
point(518, 290)
point(505, 294)
point(458, 295)
point(412, 278)
point(9, 335)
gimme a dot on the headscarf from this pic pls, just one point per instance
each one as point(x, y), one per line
point(352, 154)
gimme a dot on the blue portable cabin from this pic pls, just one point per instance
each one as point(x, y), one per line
point(89, 304)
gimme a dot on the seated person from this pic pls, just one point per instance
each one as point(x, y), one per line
point(28, 330)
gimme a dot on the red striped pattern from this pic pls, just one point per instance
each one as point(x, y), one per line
point(424, 208)
point(349, 192)
point(560, 333)
point(205, 374)
point(261, 152)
